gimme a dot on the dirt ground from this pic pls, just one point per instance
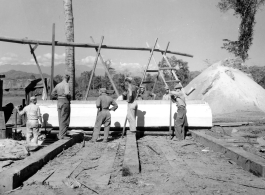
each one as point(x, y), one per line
point(197, 170)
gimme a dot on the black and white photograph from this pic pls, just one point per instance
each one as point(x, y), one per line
point(132, 97)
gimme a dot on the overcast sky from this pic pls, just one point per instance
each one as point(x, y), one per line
point(195, 27)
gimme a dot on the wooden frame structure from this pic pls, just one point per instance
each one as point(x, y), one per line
point(97, 47)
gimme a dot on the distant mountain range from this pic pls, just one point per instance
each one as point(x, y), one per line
point(32, 69)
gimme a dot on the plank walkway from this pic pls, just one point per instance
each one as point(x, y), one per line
point(15, 176)
point(248, 161)
point(131, 164)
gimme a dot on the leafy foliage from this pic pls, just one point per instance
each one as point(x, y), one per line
point(182, 73)
point(246, 10)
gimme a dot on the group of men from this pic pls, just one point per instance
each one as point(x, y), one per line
point(103, 103)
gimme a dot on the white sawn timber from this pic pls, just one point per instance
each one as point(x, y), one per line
point(151, 113)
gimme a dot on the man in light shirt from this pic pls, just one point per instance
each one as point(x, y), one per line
point(103, 117)
point(132, 104)
point(62, 92)
point(33, 115)
point(179, 97)
point(166, 96)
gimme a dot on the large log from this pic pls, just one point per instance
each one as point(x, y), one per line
point(58, 43)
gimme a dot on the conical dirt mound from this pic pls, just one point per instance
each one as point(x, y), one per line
point(230, 93)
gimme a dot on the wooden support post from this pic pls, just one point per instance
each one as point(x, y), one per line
point(52, 63)
point(42, 78)
point(107, 71)
point(94, 67)
point(170, 116)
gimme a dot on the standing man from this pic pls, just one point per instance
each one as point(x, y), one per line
point(178, 97)
point(132, 104)
point(145, 95)
point(166, 96)
point(62, 91)
point(33, 115)
point(103, 117)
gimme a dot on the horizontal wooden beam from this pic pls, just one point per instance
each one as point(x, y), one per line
point(86, 45)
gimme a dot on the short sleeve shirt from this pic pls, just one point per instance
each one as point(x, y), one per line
point(32, 111)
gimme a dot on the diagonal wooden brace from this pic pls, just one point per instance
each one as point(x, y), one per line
point(106, 69)
point(34, 56)
point(94, 67)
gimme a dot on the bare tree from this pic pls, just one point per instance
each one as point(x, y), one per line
point(69, 51)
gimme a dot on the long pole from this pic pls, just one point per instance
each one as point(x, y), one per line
point(58, 43)
point(52, 64)
point(94, 67)
point(42, 78)
point(170, 115)
point(149, 60)
point(106, 69)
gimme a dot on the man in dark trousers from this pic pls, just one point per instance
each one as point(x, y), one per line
point(179, 97)
point(62, 91)
point(103, 117)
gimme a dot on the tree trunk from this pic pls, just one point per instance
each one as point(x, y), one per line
point(69, 51)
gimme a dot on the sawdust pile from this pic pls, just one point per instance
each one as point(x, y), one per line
point(11, 148)
point(228, 90)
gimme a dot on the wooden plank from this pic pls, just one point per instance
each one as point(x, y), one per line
point(86, 45)
point(131, 159)
point(105, 165)
point(235, 124)
point(15, 176)
point(248, 161)
point(57, 178)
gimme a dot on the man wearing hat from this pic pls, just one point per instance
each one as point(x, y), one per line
point(179, 97)
point(145, 95)
point(62, 92)
point(103, 117)
point(132, 104)
point(33, 115)
point(166, 96)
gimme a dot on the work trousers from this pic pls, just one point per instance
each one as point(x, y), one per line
point(180, 123)
point(103, 117)
point(32, 128)
point(131, 115)
point(64, 110)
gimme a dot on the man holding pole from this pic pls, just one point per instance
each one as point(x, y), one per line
point(62, 91)
point(103, 116)
point(132, 104)
point(178, 97)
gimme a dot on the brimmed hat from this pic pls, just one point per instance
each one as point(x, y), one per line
point(103, 90)
point(33, 98)
point(67, 73)
point(177, 86)
point(128, 79)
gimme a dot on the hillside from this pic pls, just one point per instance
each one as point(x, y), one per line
point(58, 69)
point(14, 74)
